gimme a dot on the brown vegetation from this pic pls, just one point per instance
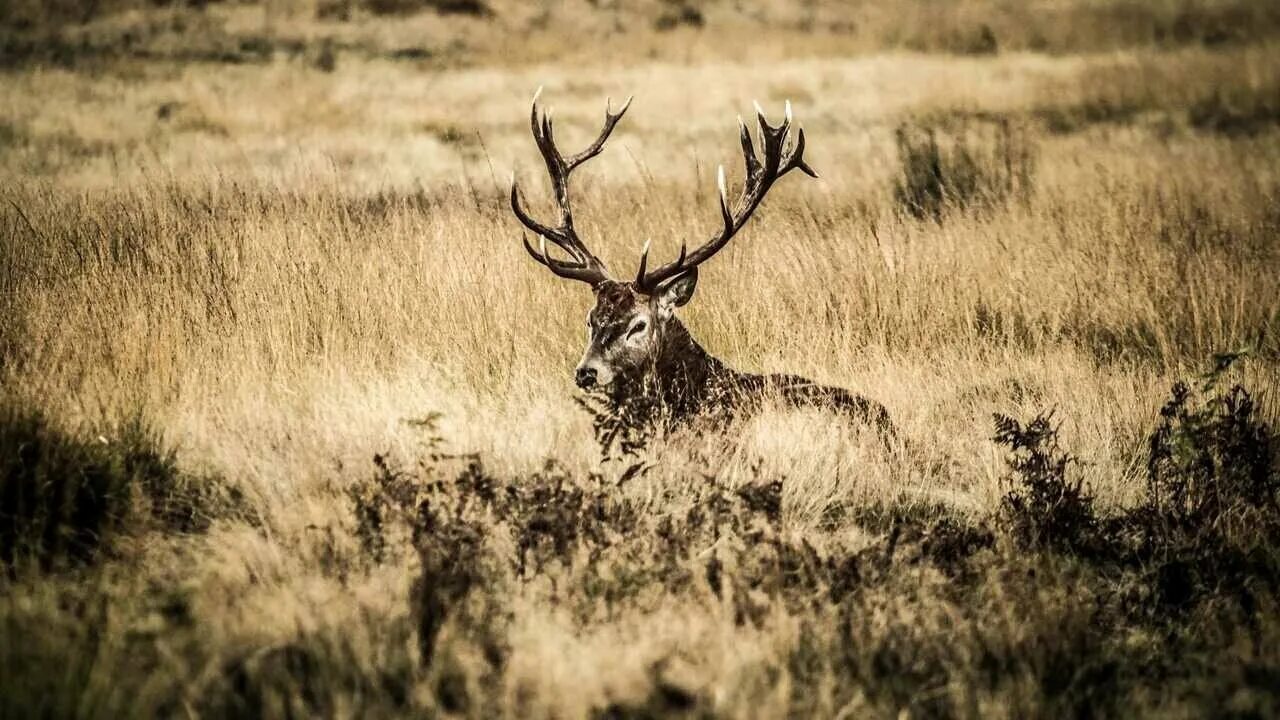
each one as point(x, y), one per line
point(288, 421)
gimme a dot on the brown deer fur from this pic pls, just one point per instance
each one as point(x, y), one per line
point(690, 383)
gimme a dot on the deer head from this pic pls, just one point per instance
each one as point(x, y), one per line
point(633, 324)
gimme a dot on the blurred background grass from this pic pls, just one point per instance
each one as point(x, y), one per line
point(504, 32)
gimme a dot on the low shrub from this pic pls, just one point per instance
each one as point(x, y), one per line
point(1209, 524)
point(1210, 521)
point(1210, 459)
point(1044, 507)
point(477, 531)
point(973, 166)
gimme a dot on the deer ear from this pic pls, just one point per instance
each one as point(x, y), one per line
point(678, 290)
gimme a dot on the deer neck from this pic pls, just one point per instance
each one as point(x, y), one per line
point(683, 373)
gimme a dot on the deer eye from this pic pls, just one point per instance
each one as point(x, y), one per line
point(637, 328)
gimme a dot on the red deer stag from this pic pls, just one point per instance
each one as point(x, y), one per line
point(637, 347)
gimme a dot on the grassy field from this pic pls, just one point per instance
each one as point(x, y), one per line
point(288, 425)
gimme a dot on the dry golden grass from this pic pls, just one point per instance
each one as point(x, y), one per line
point(284, 268)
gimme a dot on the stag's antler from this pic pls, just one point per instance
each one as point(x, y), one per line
point(583, 266)
point(778, 161)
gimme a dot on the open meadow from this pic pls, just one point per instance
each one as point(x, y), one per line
point(288, 423)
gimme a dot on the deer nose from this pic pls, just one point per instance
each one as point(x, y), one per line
point(585, 377)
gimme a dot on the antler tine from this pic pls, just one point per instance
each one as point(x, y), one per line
point(796, 159)
point(723, 187)
point(644, 261)
point(585, 265)
point(568, 270)
point(527, 219)
point(610, 120)
point(761, 173)
point(748, 148)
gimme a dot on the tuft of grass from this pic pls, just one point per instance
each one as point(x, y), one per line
point(1064, 119)
point(449, 133)
point(972, 167)
point(678, 13)
point(473, 8)
point(1237, 114)
point(64, 498)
